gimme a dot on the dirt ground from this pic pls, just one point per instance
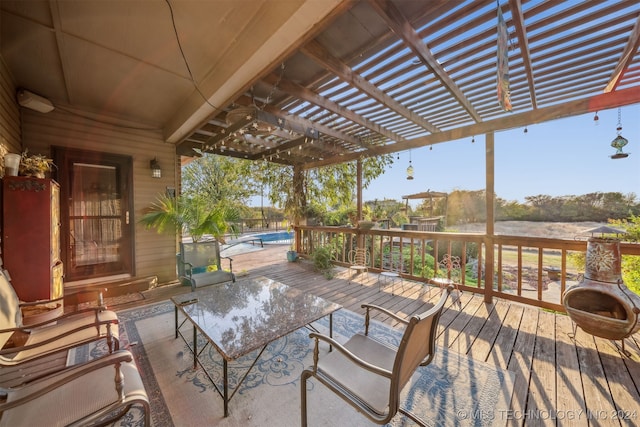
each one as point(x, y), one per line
point(556, 230)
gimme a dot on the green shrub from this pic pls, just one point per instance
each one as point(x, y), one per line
point(322, 257)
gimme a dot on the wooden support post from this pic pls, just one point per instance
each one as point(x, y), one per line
point(490, 207)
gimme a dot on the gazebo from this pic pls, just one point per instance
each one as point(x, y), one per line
point(430, 223)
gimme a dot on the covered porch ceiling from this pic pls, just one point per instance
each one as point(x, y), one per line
point(313, 83)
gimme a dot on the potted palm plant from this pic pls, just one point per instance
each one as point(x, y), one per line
point(191, 216)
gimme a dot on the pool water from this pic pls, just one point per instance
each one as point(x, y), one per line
point(276, 237)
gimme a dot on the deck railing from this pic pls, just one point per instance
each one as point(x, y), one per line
point(530, 270)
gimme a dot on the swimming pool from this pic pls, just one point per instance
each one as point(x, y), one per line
point(276, 237)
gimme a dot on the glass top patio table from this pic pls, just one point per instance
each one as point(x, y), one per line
point(237, 318)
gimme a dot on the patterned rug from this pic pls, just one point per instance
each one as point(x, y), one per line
point(453, 390)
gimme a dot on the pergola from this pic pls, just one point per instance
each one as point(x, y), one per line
point(380, 76)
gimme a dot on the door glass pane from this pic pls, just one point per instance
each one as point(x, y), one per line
point(95, 215)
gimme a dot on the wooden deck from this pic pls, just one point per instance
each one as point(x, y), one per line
point(559, 380)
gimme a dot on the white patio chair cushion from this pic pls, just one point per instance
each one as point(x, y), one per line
point(55, 333)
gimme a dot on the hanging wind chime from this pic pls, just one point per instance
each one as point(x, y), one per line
point(619, 142)
point(410, 168)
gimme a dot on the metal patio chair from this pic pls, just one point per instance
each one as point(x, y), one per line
point(368, 374)
point(392, 267)
point(201, 264)
point(358, 262)
point(449, 273)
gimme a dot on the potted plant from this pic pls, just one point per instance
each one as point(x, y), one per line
point(34, 165)
point(292, 254)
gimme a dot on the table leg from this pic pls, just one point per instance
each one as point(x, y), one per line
point(175, 308)
point(330, 330)
point(195, 348)
point(226, 388)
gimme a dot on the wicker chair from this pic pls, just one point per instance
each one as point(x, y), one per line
point(368, 374)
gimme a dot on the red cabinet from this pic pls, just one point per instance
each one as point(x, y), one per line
point(31, 237)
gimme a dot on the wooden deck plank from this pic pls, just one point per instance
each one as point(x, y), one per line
point(598, 399)
point(623, 391)
point(487, 336)
point(542, 386)
point(521, 363)
point(455, 336)
point(505, 341)
point(570, 394)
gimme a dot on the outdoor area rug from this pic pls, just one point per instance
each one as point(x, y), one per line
point(453, 390)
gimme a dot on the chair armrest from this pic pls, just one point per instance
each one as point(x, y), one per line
point(41, 302)
point(85, 295)
point(367, 318)
point(230, 262)
point(95, 310)
point(342, 349)
point(188, 268)
point(96, 324)
point(73, 373)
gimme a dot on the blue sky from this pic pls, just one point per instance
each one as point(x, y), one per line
point(562, 157)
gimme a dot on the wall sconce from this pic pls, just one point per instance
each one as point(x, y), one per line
point(156, 172)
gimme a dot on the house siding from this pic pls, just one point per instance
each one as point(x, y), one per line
point(9, 114)
point(154, 253)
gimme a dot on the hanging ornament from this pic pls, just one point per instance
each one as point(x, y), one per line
point(596, 119)
point(410, 168)
point(620, 141)
point(473, 139)
point(526, 130)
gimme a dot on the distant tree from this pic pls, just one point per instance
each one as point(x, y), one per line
point(324, 187)
point(217, 179)
point(510, 210)
point(630, 263)
point(466, 206)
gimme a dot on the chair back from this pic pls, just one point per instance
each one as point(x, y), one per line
point(10, 314)
point(417, 347)
point(450, 268)
point(359, 256)
point(201, 254)
point(393, 261)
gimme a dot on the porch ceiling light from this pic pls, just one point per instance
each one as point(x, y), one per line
point(34, 102)
point(156, 172)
